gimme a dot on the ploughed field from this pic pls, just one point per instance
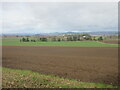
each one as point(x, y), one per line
point(112, 41)
point(87, 64)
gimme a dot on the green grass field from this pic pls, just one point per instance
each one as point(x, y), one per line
point(71, 43)
point(28, 79)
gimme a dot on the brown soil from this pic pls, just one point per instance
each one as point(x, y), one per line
point(88, 64)
point(9, 39)
point(112, 41)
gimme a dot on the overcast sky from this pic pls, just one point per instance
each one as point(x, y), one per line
point(58, 17)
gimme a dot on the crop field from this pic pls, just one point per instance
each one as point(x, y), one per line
point(91, 62)
point(96, 64)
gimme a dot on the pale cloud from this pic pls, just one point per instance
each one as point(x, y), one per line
point(58, 17)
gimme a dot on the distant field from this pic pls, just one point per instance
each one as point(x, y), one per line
point(112, 41)
point(71, 43)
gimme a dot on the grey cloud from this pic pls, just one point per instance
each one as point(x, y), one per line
point(53, 17)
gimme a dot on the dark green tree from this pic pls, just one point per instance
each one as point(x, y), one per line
point(23, 39)
point(44, 39)
point(27, 39)
point(100, 38)
point(59, 40)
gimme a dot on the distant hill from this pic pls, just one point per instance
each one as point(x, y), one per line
point(92, 33)
point(60, 33)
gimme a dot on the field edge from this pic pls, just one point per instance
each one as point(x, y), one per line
point(30, 79)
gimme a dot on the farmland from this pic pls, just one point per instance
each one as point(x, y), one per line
point(91, 62)
point(112, 41)
point(55, 44)
point(73, 43)
point(83, 40)
point(85, 64)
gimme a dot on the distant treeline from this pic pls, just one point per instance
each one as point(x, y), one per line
point(46, 38)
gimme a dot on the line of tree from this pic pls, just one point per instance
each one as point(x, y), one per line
point(66, 38)
point(43, 39)
point(26, 40)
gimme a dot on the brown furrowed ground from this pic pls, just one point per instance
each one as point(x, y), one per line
point(88, 64)
point(112, 41)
